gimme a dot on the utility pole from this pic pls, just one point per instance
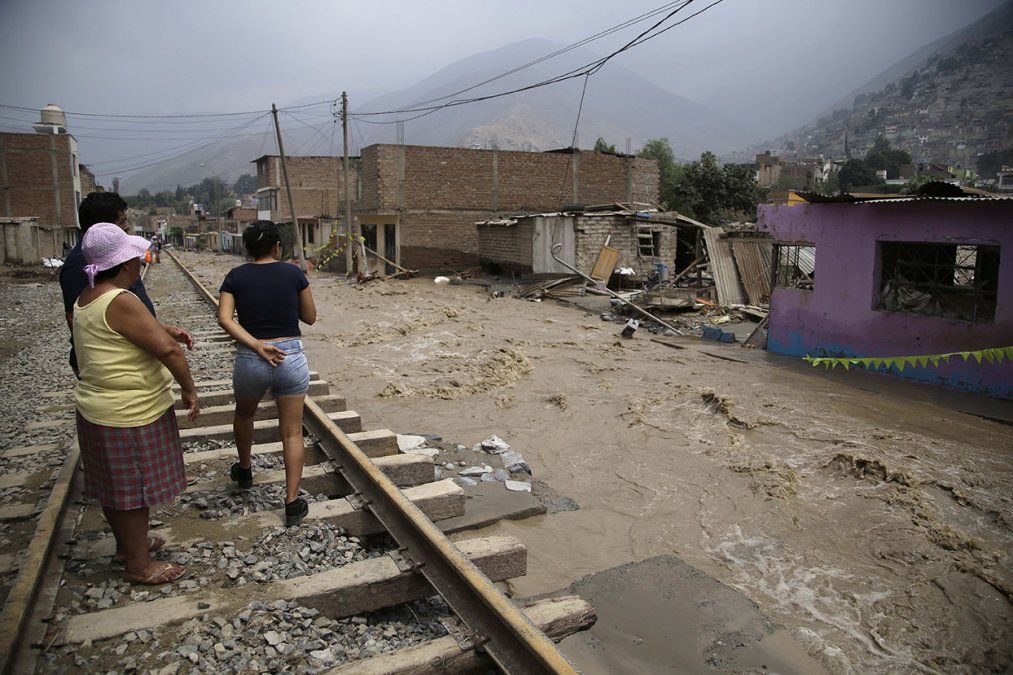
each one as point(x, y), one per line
point(288, 190)
point(348, 196)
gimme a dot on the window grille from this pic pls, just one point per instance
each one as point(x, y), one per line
point(952, 281)
point(795, 266)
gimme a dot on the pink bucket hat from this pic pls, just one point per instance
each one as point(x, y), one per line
point(105, 246)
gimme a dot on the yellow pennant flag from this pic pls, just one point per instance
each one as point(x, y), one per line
point(991, 355)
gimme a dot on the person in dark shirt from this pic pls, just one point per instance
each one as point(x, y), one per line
point(102, 207)
point(270, 298)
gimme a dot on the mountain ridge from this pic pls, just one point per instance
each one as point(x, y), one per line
point(540, 119)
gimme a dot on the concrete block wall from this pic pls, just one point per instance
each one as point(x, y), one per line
point(23, 241)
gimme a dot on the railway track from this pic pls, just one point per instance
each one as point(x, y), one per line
point(369, 582)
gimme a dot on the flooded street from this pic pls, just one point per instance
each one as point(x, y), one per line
point(868, 517)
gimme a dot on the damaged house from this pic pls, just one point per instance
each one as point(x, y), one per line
point(523, 244)
point(904, 276)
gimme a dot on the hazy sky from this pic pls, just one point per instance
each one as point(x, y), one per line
point(770, 65)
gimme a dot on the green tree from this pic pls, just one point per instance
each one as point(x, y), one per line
point(990, 162)
point(601, 146)
point(247, 183)
point(855, 173)
point(882, 156)
point(668, 170)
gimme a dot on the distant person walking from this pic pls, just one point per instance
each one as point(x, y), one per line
point(126, 424)
point(270, 298)
point(102, 207)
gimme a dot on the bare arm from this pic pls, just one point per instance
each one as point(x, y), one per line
point(131, 319)
point(307, 308)
point(70, 321)
point(226, 319)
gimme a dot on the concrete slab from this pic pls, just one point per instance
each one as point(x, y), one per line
point(266, 431)
point(556, 617)
point(438, 501)
point(317, 388)
point(213, 415)
point(50, 424)
point(26, 450)
point(344, 591)
point(662, 614)
point(26, 480)
point(488, 503)
point(17, 511)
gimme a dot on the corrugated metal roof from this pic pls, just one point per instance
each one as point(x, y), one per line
point(819, 198)
point(753, 258)
point(726, 276)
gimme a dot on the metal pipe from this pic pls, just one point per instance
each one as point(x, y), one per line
point(559, 247)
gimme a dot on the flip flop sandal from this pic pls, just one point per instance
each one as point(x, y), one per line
point(165, 574)
point(154, 543)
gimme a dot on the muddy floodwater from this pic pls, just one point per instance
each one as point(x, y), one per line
point(867, 517)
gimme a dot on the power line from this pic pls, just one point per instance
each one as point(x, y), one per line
point(180, 150)
point(589, 68)
point(568, 48)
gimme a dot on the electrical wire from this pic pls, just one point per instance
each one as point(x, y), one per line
point(179, 151)
point(590, 68)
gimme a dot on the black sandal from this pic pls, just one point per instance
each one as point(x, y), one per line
point(244, 477)
point(295, 511)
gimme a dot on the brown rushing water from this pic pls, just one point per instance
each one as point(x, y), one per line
point(868, 516)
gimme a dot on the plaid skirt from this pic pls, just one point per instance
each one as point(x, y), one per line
point(129, 468)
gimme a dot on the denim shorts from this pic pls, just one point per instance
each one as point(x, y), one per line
point(252, 376)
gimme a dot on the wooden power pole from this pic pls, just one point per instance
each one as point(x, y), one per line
point(288, 191)
point(351, 238)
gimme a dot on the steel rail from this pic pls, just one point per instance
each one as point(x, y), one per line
point(497, 626)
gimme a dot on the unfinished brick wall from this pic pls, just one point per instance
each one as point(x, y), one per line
point(88, 184)
point(439, 193)
point(507, 247)
point(318, 185)
point(501, 180)
point(27, 181)
point(439, 238)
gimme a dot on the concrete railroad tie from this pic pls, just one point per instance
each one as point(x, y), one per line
point(355, 588)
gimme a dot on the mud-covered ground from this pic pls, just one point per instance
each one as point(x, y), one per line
point(871, 518)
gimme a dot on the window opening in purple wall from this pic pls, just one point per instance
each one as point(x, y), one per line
point(952, 281)
point(795, 266)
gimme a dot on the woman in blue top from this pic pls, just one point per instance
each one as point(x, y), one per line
point(270, 298)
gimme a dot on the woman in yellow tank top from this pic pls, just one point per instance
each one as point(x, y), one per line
point(126, 425)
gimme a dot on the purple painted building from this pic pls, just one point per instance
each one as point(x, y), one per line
point(896, 277)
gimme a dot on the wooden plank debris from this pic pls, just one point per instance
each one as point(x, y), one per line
point(606, 263)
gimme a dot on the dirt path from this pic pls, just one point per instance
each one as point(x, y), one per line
point(869, 516)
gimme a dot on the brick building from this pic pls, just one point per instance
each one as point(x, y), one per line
point(40, 178)
point(88, 183)
point(40, 188)
point(418, 205)
point(421, 203)
point(317, 193)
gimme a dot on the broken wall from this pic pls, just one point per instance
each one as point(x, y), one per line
point(592, 231)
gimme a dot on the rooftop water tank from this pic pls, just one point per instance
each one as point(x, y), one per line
point(53, 114)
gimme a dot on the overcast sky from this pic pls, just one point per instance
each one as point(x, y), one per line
point(770, 65)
